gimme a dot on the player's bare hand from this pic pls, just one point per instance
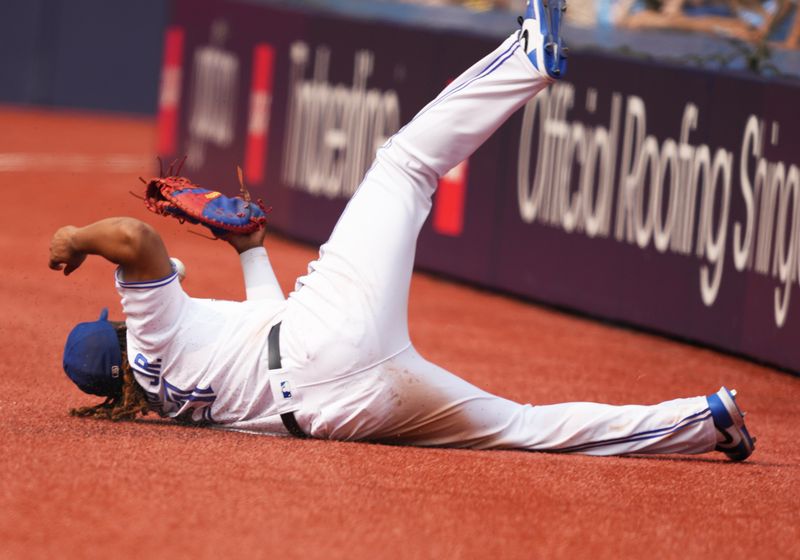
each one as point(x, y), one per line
point(244, 242)
point(63, 254)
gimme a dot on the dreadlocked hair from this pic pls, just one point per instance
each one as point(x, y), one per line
point(130, 402)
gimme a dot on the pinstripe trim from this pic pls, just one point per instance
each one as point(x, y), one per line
point(641, 436)
point(146, 284)
point(490, 68)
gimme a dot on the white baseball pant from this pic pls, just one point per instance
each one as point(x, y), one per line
point(345, 331)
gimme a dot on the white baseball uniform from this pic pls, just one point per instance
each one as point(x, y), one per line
point(345, 347)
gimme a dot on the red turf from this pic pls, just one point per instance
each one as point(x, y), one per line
point(79, 488)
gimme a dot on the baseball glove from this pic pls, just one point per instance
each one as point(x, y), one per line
point(178, 197)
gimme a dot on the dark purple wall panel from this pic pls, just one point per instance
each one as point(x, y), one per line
point(640, 176)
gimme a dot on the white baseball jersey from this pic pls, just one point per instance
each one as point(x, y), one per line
point(344, 336)
point(204, 360)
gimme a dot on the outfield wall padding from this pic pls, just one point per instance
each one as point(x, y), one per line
point(659, 196)
point(82, 54)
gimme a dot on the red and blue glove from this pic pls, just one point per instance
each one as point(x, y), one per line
point(180, 198)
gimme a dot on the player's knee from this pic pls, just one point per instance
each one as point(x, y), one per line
point(398, 162)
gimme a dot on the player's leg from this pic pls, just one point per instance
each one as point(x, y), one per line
point(363, 273)
point(426, 405)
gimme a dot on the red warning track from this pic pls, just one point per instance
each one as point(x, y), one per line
point(82, 488)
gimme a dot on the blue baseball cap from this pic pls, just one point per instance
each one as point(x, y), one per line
point(93, 359)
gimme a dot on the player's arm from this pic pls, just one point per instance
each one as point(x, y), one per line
point(133, 245)
point(259, 277)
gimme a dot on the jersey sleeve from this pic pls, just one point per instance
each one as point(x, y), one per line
point(259, 278)
point(152, 308)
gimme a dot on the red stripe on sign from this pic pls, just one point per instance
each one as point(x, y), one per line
point(173, 46)
point(258, 120)
point(170, 93)
point(167, 125)
point(448, 213)
point(263, 59)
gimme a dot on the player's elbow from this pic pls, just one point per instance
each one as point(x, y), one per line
point(136, 238)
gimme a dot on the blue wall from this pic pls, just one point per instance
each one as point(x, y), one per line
point(92, 54)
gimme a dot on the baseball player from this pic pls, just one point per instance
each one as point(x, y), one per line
point(334, 359)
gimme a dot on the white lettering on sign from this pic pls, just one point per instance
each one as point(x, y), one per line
point(333, 130)
point(672, 193)
point(213, 95)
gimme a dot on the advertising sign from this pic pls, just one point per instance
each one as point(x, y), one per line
point(664, 197)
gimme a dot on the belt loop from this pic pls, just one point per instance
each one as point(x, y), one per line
point(274, 346)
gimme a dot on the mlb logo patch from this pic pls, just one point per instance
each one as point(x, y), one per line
point(285, 394)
